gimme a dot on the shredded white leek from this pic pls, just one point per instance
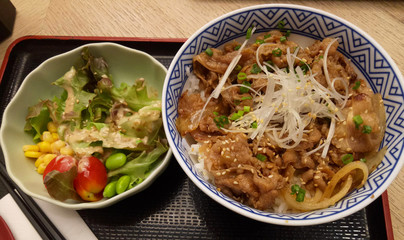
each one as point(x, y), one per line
point(292, 100)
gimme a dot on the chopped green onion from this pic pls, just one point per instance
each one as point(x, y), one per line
point(234, 117)
point(237, 102)
point(237, 47)
point(277, 52)
point(304, 67)
point(347, 158)
point(209, 52)
point(283, 39)
point(281, 24)
point(363, 160)
point(270, 63)
point(357, 120)
point(295, 189)
point(321, 57)
point(300, 192)
point(254, 125)
point(244, 89)
point(237, 115)
point(261, 157)
point(287, 33)
point(249, 32)
point(259, 41)
point(367, 129)
point(300, 195)
point(237, 68)
point(220, 121)
point(216, 113)
point(247, 108)
point(255, 69)
point(357, 85)
point(267, 36)
point(241, 76)
point(246, 98)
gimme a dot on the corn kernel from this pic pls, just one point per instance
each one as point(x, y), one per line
point(67, 150)
point(44, 147)
point(56, 146)
point(32, 154)
point(52, 127)
point(47, 137)
point(41, 168)
point(48, 157)
point(55, 137)
point(39, 160)
point(33, 148)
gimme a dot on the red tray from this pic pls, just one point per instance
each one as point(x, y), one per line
point(173, 207)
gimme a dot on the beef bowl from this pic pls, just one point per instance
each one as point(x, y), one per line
point(285, 114)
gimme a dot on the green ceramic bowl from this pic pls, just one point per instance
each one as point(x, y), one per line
point(125, 65)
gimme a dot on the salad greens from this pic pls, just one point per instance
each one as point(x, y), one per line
point(97, 118)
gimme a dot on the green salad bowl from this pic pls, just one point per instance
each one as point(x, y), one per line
point(125, 65)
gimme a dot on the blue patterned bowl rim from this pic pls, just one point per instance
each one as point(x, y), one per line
point(366, 54)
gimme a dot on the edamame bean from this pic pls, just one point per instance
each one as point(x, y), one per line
point(122, 184)
point(110, 189)
point(115, 161)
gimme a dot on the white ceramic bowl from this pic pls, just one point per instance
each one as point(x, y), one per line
point(125, 65)
point(306, 24)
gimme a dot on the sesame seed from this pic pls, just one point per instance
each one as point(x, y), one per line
point(316, 177)
point(271, 176)
point(224, 172)
point(316, 185)
point(235, 182)
point(349, 149)
point(218, 173)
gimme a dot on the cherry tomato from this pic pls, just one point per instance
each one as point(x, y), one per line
point(91, 178)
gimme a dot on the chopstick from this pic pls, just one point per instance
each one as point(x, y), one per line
point(45, 228)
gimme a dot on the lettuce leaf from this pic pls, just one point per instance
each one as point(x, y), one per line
point(139, 167)
point(136, 96)
point(37, 119)
point(60, 185)
point(77, 100)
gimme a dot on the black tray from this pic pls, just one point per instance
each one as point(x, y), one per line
point(173, 207)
